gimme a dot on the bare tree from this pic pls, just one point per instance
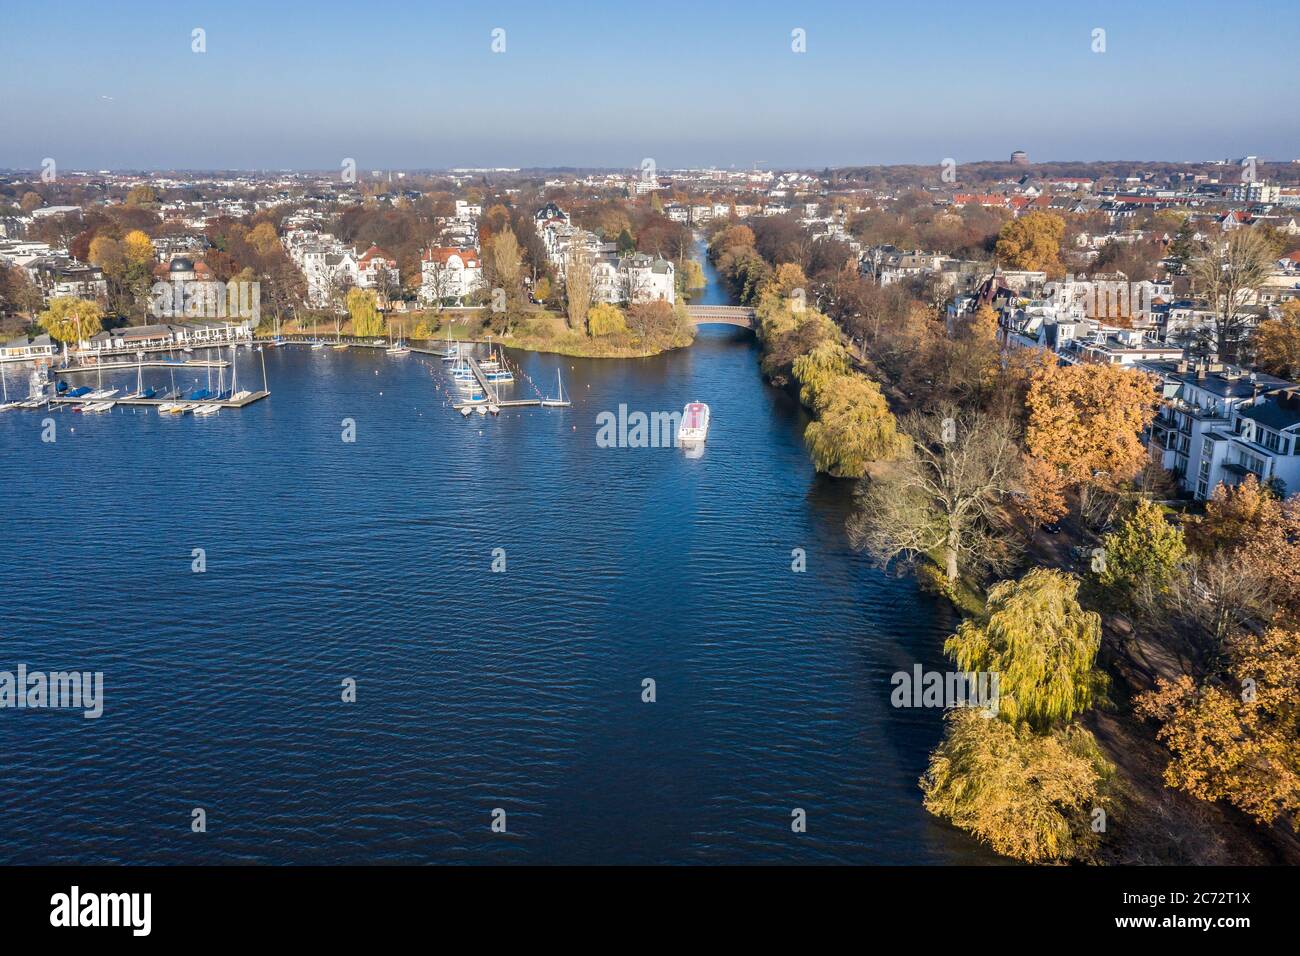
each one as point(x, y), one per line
point(1209, 599)
point(944, 495)
point(1229, 278)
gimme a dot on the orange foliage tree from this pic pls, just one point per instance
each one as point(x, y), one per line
point(1237, 738)
point(1084, 428)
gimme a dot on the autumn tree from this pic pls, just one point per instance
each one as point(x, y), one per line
point(854, 428)
point(577, 284)
point(363, 309)
point(1085, 425)
point(1236, 737)
point(18, 294)
point(1229, 277)
point(1260, 534)
point(1277, 343)
point(507, 260)
point(1040, 642)
point(944, 495)
point(604, 318)
point(1033, 242)
point(68, 319)
point(1028, 796)
point(264, 239)
point(138, 248)
point(654, 323)
point(141, 195)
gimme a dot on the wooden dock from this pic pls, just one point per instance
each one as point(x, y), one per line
point(248, 399)
point(132, 366)
point(494, 394)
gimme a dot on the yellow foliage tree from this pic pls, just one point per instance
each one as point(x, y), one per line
point(106, 252)
point(1033, 241)
point(603, 318)
point(264, 238)
point(1042, 644)
point(363, 308)
point(138, 248)
point(72, 320)
point(855, 428)
point(1028, 796)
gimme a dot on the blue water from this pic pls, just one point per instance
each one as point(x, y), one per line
point(476, 690)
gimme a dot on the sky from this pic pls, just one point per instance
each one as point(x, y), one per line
point(116, 84)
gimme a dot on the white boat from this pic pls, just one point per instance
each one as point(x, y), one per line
point(481, 409)
point(207, 409)
point(694, 428)
point(241, 395)
point(100, 394)
point(97, 406)
point(317, 345)
point(398, 349)
point(466, 411)
point(494, 408)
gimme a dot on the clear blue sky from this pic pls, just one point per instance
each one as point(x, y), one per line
point(113, 83)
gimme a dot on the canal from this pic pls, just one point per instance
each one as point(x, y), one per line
point(521, 689)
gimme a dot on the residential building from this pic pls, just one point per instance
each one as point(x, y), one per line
point(450, 275)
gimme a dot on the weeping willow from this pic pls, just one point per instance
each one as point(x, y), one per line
point(1040, 643)
point(818, 371)
point(1029, 796)
point(855, 428)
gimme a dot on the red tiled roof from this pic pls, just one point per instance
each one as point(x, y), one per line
point(444, 253)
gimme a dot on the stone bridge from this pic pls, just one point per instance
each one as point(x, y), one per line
point(722, 315)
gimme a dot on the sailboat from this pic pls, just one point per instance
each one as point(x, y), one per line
point(495, 370)
point(560, 402)
point(5, 380)
point(399, 348)
point(236, 393)
point(100, 393)
point(316, 342)
point(452, 351)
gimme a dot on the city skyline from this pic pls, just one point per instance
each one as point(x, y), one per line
point(422, 88)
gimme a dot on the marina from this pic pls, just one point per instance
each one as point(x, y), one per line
point(477, 382)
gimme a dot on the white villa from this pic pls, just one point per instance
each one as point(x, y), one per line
point(450, 273)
